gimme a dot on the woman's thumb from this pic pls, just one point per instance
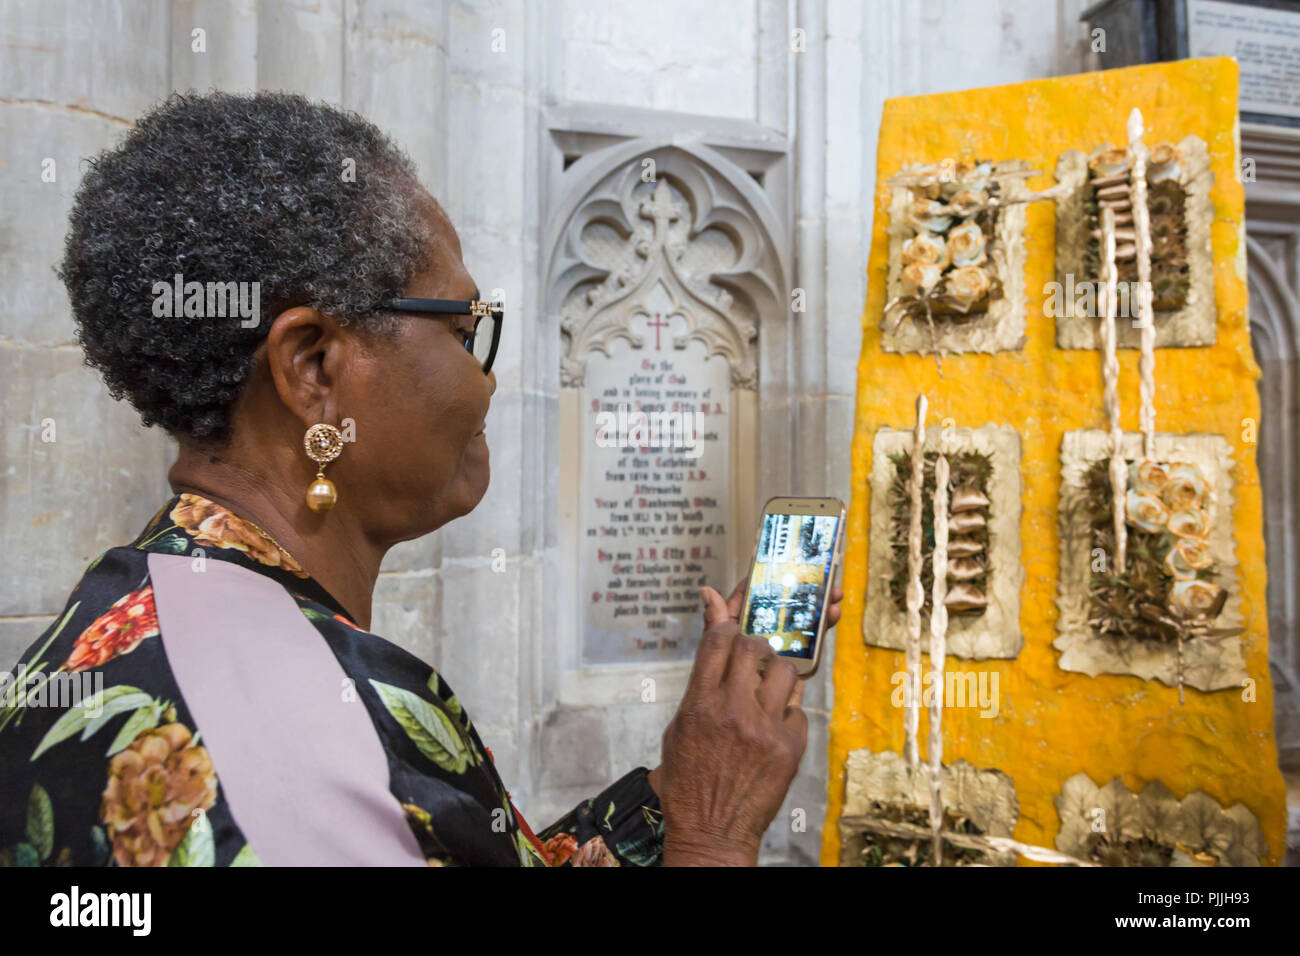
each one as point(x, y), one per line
point(715, 608)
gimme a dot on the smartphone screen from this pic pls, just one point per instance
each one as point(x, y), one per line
point(789, 581)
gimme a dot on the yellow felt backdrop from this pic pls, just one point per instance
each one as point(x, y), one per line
point(1053, 724)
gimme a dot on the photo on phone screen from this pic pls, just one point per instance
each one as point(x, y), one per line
point(789, 581)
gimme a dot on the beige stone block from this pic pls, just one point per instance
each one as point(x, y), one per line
point(479, 639)
point(84, 57)
point(224, 56)
point(34, 138)
point(575, 751)
point(405, 612)
point(65, 501)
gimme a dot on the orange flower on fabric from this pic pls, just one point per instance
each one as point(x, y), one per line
point(154, 787)
point(118, 631)
point(594, 853)
point(560, 847)
point(209, 524)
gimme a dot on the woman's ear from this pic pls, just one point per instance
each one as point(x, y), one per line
point(305, 351)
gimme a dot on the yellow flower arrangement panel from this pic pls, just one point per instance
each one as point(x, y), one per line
point(1061, 723)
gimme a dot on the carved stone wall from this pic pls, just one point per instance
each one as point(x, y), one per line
point(1271, 170)
point(666, 214)
point(688, 230)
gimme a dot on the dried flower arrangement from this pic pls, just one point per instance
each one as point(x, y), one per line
point(1175, 229)
point(968, 541)
point(887, 849)
point(1169, 582)
point(947, 269)
point(888, 805)
point(1109, 182)
point(1154, 828)
point(1163, 617)
point(1168, 591)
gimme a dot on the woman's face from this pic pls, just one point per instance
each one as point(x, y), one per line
point(422, 407)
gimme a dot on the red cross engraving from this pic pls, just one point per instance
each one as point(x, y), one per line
point(657, 325)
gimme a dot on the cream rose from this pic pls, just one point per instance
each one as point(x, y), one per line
point(929, 215)
point(967, 202)
point(966, 245)
point(927, 249)
point(968, 170)
point(1190, 523)
point(965, 286)
point(1188, 556)
point(1186, 488)
point(1146, 512)
point(1196, 599)
point(1163, 162)
point(1109, 162)
point(1150, 477)
point(919, 279)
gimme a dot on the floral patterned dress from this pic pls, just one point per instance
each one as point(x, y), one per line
point(173, 716)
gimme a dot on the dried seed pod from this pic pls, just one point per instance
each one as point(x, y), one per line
point(963, 547)
point(965, 569)
point(1100, 182)
point(964, 597)
point(967, 498)
point(964, 522)
point(1121, 235)
point(1113, 192)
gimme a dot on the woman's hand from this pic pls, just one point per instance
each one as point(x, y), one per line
point(734, 746)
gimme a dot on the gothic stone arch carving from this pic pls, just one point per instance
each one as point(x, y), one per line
point(691, 230)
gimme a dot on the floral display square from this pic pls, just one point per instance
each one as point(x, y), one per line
point(1179, 574)
point(984, 569)
point(1182, 280)
point(1114, 826)
point(956, 258)
point(879, 786)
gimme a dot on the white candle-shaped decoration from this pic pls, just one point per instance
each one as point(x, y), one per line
point(1146, 312)
point(938, 649)
point(915, 594)
point(1110, 384)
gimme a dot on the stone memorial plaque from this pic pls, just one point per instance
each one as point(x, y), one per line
point(656, 452)
point(1266, 43)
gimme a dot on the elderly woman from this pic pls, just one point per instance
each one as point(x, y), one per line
point(266, 279)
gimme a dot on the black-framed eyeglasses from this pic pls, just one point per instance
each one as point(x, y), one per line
point(482, 341)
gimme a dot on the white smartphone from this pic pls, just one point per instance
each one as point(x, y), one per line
point(796, 559)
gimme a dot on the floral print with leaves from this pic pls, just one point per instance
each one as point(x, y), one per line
point(121, 776)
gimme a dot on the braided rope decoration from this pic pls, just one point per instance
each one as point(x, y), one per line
point(938, 650)
point(915, 594)
point(1146, 314)
point(1110, 382)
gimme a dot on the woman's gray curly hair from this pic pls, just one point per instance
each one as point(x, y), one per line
point(233, 188)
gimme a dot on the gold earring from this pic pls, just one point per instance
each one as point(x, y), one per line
point(323, 443)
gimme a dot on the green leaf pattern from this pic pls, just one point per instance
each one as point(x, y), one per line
point(431, 730)
point(40, 821)
point(196, 847)
point(145, 718)
point(80, 716)
point(246, 857)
